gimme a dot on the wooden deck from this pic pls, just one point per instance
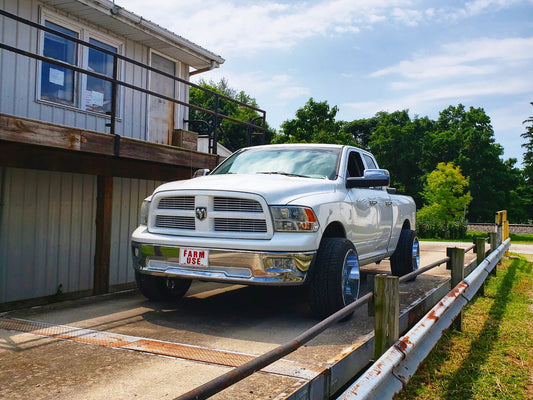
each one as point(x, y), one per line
point(27, 143)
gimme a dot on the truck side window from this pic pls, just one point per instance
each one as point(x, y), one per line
point(355, 165)
point(369, 162)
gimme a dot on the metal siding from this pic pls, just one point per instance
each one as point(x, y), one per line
point(128, 195)
point(47, 233)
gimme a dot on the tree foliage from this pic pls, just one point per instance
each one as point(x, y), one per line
point(528, 145)
point(446, 192)
point(230, 134)
point(314, 123)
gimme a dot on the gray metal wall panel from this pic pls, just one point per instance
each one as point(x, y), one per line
point(47, 233)
point(128, 195)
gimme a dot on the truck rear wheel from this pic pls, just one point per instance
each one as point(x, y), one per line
point(406, 257)
point(160, 288)
point(335, 280)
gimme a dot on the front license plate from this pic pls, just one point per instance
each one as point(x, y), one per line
point(194, 257)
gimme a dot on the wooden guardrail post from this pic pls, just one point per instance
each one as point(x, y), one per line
point(493, 238)
point(457, 261)
point(502, 227)
point(480, 253)
point(387, 313)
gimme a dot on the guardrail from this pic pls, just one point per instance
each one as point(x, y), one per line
point(391, 372)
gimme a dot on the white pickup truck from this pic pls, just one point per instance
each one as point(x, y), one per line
point(291, 214)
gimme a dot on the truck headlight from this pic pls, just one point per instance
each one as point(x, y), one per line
point(144, 212)
point(294, 219)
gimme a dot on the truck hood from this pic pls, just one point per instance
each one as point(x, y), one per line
point(275, 189)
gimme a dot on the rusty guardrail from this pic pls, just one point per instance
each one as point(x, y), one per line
point(391, 372)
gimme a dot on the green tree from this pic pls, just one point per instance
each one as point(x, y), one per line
point(446, 198)
point(314, 123)
point(446, 192)
point(230, 134)
point(467, 139)
point(528, 145)
point(525, 190)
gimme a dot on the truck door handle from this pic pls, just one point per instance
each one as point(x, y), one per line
point(373, 202)
point(388, 203)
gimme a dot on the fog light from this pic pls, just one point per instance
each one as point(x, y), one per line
point(279, 265)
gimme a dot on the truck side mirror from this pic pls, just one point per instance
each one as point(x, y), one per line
point(201, 172)
point(370, 178)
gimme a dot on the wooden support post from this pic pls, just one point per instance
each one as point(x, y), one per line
point(480, 252)
point(104, 204)
point(387, 313)
point(493, 246)
point(457, 260)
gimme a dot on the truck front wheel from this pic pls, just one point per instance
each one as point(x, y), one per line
point(335, 279)
point(406, 257)
point(160, 288)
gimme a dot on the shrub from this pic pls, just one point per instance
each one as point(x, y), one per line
point(428, 227)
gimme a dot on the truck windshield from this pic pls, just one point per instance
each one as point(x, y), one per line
point(319, 163)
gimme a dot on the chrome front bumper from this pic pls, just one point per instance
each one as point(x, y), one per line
point(247, 267)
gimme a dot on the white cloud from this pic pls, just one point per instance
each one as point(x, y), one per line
point(480, 58)
point(229, 26)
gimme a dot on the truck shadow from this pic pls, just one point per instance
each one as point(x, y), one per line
point(259, 314)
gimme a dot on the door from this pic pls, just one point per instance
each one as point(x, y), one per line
point(161, 112)
point(381, 200)
point(364, 212)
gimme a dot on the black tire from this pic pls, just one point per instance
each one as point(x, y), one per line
point(406, 257)
point(335, 280)
point(160, 288)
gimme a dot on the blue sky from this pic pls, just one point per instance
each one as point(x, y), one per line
point(366, 56)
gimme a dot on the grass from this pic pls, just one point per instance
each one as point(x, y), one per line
point(492, 358)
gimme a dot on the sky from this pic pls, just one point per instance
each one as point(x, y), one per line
point(366, 56)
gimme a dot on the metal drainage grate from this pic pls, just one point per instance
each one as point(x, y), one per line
point(177, 350)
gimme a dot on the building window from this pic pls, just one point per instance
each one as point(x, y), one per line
point(63, 86)
point(97, 93)
point(57, 83)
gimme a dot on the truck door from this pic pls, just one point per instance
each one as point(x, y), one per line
point(383, 204)
point(363, 220)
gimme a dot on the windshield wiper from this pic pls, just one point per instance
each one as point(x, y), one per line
point(282, 173)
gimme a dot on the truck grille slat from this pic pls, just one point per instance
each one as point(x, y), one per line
point(177, 203)
point(240, 225)
point(174, 222)
point(236, 205)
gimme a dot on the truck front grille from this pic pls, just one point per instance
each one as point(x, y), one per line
point(210, 215)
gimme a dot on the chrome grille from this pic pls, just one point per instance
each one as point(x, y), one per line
point(240, 225)
point(174, 222)
point(232, 204)
point(177, 203)
point(228, 214)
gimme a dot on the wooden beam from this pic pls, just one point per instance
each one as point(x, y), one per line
point(104, 206)
point(44, 134)
point(19, 155)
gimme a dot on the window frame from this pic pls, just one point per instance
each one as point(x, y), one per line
point(82, 56)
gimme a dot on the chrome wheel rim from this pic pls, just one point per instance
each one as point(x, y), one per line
point(350, 278)
point(416, 254)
